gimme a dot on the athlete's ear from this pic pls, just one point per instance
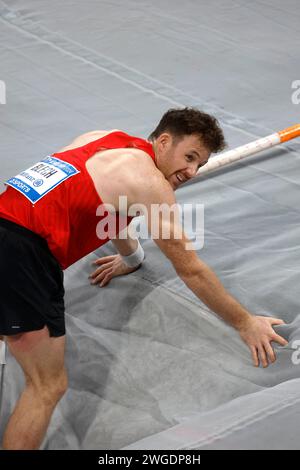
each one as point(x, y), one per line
point(164, 142)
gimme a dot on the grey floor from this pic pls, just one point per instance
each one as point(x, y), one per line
point(149, 365)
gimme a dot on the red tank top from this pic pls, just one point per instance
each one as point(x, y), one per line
point(66, 216)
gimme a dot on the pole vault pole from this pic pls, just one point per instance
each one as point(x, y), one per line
point(250, 149)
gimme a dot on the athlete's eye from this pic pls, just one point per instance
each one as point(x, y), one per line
point(189, 158)
point(201, 165)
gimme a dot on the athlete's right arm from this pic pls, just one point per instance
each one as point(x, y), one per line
point(169, 236)
point(166, 230)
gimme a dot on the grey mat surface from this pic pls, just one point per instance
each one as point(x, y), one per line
point(149, 365)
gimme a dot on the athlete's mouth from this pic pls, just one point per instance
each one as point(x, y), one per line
point(180, 178)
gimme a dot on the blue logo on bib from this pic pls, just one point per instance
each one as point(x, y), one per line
point(38, 183)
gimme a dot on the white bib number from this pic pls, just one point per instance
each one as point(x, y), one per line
point(42, 177)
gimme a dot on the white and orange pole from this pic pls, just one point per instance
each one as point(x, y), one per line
point(250, 149)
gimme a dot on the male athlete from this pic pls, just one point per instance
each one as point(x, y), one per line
point(49, 218)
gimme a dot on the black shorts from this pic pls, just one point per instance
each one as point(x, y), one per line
point(31, 283)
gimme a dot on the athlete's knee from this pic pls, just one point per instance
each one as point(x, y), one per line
point(50, 390)
point(62, 384)
point(59, 385)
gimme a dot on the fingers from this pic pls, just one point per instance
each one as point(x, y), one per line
point(270, 352)
point(262, 356)
point(279, 339)
point(264, 353)
point(259, 338)
point(105, 259)
point(254, 356)
point(100, 273)
point(106, 279)
point(103, 277)
point(276, 321)
point(100, 270)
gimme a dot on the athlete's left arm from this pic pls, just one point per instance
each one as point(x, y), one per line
point(114, 265)
point(125, 242)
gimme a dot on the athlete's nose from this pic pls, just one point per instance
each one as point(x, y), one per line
point(191, 171)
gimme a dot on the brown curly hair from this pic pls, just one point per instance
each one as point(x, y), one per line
point(188, 121)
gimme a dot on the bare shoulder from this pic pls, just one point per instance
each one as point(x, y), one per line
point(147, 182)
point(86, 138)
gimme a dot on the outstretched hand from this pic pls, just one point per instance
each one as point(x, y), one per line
point(258, 333)
point(109, 267)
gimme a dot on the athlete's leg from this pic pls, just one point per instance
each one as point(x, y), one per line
point(42, 360)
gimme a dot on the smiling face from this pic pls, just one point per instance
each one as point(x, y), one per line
point(179, 160)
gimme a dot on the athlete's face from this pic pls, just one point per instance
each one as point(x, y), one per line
point(180, 160)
